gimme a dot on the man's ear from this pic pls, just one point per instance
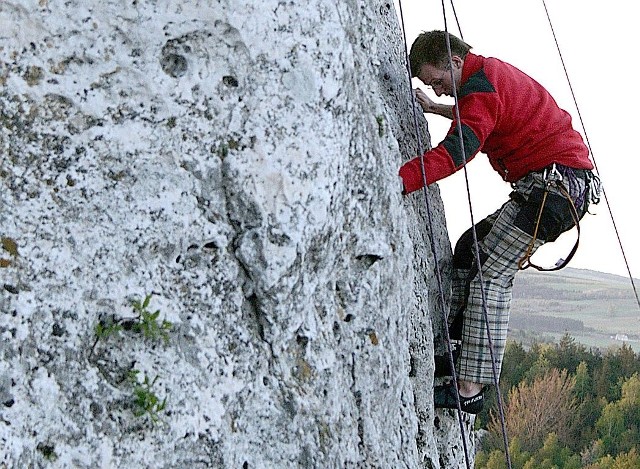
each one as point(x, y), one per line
point(457, 61)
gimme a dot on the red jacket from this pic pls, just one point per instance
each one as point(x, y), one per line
point(508, 116)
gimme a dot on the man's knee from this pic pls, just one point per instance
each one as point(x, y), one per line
point(464, 255)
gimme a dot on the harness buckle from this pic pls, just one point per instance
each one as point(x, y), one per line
point(552, 176)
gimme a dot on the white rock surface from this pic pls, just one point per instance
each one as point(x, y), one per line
point(237, 160)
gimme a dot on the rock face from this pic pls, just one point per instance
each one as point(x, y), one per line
point(206, 260)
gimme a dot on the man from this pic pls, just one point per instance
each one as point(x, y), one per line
point(531, 143)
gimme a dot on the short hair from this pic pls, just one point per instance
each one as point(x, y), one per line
point(431, 48)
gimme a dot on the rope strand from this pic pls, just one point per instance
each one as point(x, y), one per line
point(586, 136)
point(476, 244)
point(441, 296)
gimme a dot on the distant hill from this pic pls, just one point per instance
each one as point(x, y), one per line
point(593, 307)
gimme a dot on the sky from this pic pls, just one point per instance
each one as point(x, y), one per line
point(598, 45)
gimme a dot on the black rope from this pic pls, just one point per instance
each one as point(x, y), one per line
point(455, 15)
point(475, 241)
point(421, 151)
point(586, 136)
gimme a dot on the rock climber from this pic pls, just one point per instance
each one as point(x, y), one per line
point(532, 144)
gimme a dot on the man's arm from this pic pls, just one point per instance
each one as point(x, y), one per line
point(478, 113)
point(428, 105)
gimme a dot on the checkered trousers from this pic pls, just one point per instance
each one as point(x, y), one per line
point(502, 244)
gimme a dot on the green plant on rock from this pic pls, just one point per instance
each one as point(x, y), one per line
point(104, 329)
point(48, 451)
point(145, 400)
point(148, 323)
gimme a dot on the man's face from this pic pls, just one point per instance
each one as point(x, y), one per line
point(439, 79)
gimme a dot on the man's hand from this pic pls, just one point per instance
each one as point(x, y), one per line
point(428, 105)
point(425, 101)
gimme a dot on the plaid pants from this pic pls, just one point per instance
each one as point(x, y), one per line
point(503, 239)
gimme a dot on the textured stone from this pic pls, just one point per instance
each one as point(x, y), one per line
point(237, 161)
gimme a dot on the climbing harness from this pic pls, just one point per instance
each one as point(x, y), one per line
point(552, 178)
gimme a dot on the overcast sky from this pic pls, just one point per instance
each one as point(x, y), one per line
point(599, 48)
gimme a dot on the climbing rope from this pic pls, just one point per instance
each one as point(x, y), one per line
point(475, 240)
point(586, 136)
point(421, 150)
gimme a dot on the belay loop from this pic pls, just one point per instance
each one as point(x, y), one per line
point(552, 177)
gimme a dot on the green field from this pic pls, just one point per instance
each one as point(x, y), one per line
point(593, 307)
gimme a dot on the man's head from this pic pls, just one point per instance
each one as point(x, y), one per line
point(429, 59)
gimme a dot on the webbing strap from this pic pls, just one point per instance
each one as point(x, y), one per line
point(525, 261)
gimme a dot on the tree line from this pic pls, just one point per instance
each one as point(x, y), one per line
point(566, 407)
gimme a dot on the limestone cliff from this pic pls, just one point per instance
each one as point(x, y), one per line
point(206, 260)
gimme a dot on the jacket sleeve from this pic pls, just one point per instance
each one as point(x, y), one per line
point(478, 114)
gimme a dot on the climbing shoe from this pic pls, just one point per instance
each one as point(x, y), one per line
point(444, 397)
point(443, 365)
